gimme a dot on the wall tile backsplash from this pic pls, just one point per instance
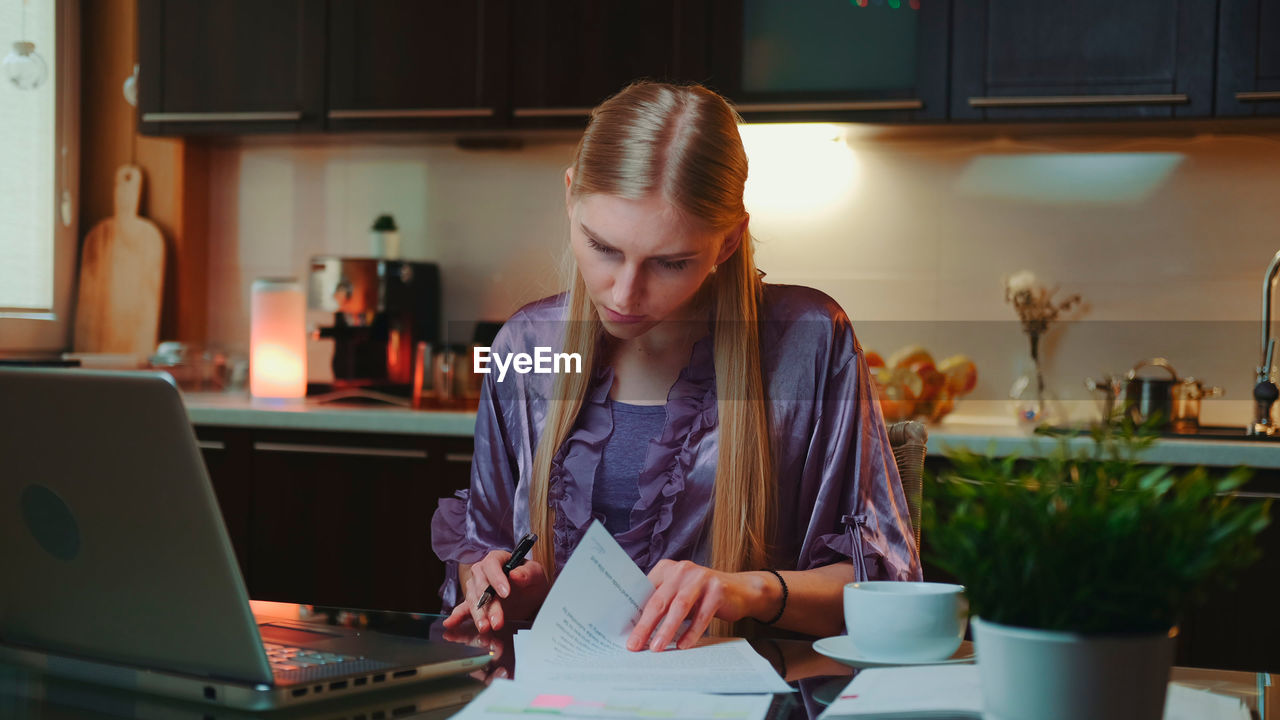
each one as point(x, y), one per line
point(1165, 237)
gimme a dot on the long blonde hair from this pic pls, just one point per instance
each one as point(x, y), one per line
point(683, 143)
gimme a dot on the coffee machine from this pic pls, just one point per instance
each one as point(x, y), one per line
point(382, 308)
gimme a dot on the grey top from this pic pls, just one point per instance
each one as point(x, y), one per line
point(617, 486)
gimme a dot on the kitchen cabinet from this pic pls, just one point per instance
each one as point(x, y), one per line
point(230, 66)
point(567, 57)
point(1235, 629)
point(404, 64)
point(833, 59)
point(1092, 59)
point(335, 518)
point(1249, 57)
point(415, 64)
point(226, 456)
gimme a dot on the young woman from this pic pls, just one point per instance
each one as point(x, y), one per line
point(724, 430)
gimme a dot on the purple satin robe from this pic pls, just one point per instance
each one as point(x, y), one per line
point(838, 489)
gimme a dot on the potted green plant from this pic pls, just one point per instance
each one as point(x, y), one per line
point(1078, 566)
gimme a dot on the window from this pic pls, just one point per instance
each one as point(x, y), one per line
point(39, 167)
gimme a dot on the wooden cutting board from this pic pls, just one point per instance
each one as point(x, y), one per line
point(121, 277)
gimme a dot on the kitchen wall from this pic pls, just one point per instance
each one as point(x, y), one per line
point(1165, 232)
point(174, 193)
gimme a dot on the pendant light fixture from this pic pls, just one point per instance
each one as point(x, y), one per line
point(23, 65)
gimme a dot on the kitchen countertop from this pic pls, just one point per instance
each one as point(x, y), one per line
point(972, 433)
point(1001, 439)
point(238, 409)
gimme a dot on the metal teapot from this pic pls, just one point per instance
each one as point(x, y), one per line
point(1148, 399)
point(1172, 403)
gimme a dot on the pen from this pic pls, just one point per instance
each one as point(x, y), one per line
point(517, 557)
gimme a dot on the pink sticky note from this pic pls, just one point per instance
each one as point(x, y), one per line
point(552, 701)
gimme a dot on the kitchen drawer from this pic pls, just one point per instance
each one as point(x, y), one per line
point(333, 518)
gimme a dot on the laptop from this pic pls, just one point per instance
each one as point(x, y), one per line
point(116, 567)
point(30, 695)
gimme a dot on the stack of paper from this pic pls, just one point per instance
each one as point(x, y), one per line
point(940, 691)
point(506, 699)
point(1184, 703)
point(955, 691)
point(574, 662)
point(580, 635)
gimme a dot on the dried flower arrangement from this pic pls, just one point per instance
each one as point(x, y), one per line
point(1036, 309)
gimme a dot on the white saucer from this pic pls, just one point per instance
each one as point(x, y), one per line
point(841, 649)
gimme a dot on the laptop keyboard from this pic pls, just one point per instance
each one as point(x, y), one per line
point(288, 657)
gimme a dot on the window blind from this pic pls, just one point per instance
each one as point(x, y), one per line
point(28, 166)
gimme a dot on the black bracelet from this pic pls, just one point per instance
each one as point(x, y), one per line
point(782, 609)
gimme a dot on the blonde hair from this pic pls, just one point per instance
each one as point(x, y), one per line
point(681, 142)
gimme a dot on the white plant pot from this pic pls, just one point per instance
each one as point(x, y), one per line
point(1044, 675)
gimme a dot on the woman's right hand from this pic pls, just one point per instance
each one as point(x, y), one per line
point(517, 597)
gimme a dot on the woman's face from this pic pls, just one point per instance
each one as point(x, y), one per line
point(641, 261)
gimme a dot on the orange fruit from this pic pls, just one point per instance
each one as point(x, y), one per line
point(895, 410)
point(909, 355)
point(896, 390)
point(931, 381)
point(961, 374)
point(937, 408)
point(873, 359)
point(900, 383)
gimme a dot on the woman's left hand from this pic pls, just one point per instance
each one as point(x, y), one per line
point(685, 590)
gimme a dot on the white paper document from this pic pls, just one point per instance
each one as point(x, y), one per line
point(956, 691)
point(580, 635)
point(1184, 703)
point(505, 699)
point(910, 692)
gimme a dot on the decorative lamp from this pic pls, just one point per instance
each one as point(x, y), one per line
point(277, 339)
point(24, 67)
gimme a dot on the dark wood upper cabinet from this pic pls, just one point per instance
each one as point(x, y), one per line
point(568, 55)
point(245, 66)
point(1249, 57)
point(875, 60)
point(230, 66)
point(416, 64)
point(1017, 60)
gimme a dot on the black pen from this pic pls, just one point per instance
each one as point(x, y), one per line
point(517, 557)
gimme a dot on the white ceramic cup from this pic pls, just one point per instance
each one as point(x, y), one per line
point(905, 621)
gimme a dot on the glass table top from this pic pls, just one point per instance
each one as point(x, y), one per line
point(816, 678)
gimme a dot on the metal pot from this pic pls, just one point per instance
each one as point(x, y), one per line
point(1149, 399)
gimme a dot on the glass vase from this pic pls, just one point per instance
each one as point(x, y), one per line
point(1032, 401)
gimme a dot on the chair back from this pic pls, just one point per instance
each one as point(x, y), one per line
point(908, 439)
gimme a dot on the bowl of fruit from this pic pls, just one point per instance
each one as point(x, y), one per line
point(910, 385)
